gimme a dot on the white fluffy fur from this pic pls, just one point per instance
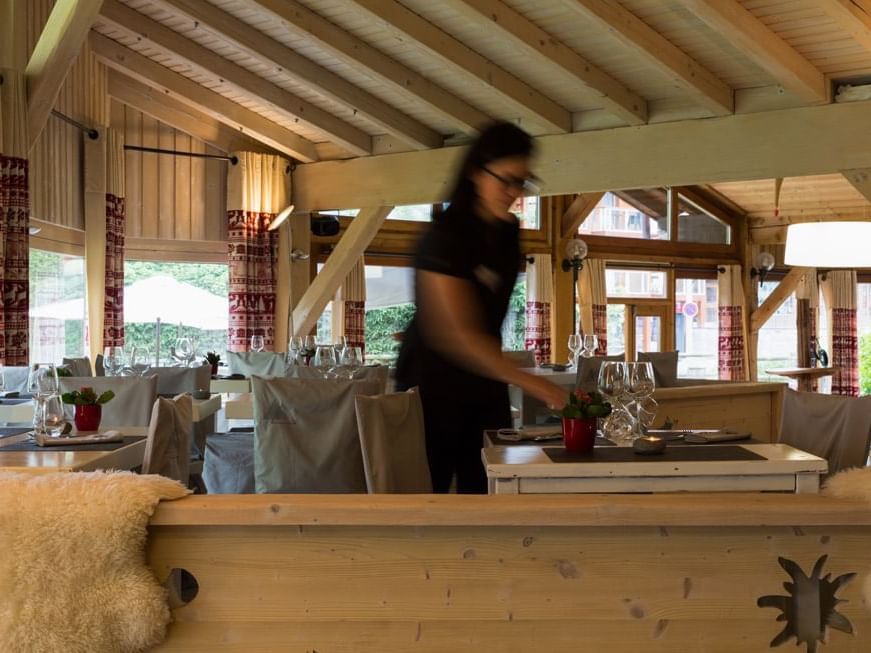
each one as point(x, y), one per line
point(72, 562)
point(854, 484)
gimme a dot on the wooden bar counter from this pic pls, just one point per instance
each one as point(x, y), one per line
point(450, 574)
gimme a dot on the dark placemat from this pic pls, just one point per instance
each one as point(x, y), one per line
point(15, 402)
point(99, 446)
point(708, 452)
point(9, 431)
point(496, 440)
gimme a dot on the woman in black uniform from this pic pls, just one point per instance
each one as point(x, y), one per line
point(466, 265)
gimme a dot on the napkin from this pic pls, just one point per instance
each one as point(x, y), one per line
point(705, 437)
point(44, 440)
point(531, 433)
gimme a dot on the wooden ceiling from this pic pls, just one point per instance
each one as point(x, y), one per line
point(330, 79)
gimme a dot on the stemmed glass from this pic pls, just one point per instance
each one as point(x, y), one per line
point(294, 350)
point(352, 360)
point(184, 351)
point(257, 343)
point(612, 385)
point(113, 360)
point(308, 349)
point(575, 343)
point(325, 360)
point(140, 361)
point(640, 385)
point(590, 344)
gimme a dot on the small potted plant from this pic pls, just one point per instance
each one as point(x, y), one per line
point(89, 407)
point(213, 359)
point(579, 417)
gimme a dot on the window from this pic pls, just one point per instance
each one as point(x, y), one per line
point(412, 213)
point(389, 309)
point(630, 214)
point(189, 299)
point(514, 326)
point(616, 325)
point(778, 338)
point(695, 225)
point(621, 282)
point(528, 212)
point(697, 326)
point(863, 315)
point(57, 312)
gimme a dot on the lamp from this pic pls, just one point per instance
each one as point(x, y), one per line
point(828, 244)
point(764, 264)
point(576, 252)
point(279, 219)
point(298, 255)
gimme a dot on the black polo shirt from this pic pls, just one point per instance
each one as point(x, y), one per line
point(487, 255)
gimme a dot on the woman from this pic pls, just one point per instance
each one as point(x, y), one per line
point(466, 265)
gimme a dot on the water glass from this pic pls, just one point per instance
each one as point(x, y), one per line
point(257, 343)
point(53, 416)
point(575, 344)
point(2, 380)
point(113, 360)
point(325, 360)
point(43, 380)
point(140, 361)
point(352, 360)
point(590, 345)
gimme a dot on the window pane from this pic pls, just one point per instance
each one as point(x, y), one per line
point(630, 214)
point(616, 329)
point(864, 324)
point(648, 333)
point(189, 298)
point(514, 326)
point(527, 210)
point(696, 328)
point(389, 309)
point(778, 338)
point(57, 306)
point(635, 283)
point(695, 225)
point(412, 213)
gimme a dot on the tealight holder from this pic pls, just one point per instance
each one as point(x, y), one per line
point(648, 445)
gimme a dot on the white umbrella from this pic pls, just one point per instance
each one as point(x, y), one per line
point(388, 286)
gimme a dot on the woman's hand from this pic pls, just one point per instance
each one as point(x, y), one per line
point(552, 395)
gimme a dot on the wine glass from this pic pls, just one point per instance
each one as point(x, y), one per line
point(2, 381)
point(184, 351)
point(612, 384)
point(53, 417)
point(591, 343)
point(140, 361)
point(325, 360)
point(257, 343)
point(640, 385)
point(575, 346)
point(294, 350)
point(113, 360)
point(308, 349)
point(647, 413)
point(352, 360)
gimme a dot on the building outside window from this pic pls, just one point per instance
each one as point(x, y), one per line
point(696, 324)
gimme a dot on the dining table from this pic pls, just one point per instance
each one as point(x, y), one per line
point(19, 454)
point(20, 410)
point(728, 467)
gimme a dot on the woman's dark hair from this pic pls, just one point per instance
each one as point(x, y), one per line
point(499, 140)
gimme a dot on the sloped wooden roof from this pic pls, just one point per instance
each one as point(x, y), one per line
point(331, 79)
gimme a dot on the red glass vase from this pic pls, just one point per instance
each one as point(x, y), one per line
point(579, 434)
point(87, 417)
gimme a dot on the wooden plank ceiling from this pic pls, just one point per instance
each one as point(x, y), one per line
point(332, 79)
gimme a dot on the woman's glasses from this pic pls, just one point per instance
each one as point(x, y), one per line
point(519, 184)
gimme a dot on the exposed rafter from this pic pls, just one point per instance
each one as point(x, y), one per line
point(181, 88)
point(860, 180)
point(359, 54)
point(58, 46)
point(616, 98)
point(709, 91)
point(578, 211)
point(774, 55)
point(466, 61)
point(852, 16)
point(295, 108)
point(305, 71)
point(178, 115)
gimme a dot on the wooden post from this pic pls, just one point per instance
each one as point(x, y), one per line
point(95, 236)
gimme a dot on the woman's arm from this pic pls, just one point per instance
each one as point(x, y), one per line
point(451, 323)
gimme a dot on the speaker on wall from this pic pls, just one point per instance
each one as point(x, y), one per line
point(324, 225)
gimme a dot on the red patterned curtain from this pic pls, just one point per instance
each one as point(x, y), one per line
point(14, 216)
point(539, 297)
point(113, 314)
point(839, 290)
point(593, 299)
point(258, 188)
point(732, 350)
point(349, 308)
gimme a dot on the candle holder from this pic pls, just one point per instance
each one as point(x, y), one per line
point(649, 445)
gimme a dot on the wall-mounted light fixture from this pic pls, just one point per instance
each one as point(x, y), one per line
point(298, 255)
point(576, 252)
point(764, 263)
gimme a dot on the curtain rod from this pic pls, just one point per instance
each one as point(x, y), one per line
point(92, 133)
point(666, 266)
point(156, 150)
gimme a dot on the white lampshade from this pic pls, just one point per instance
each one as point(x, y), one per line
point(279, 219)
point(829, 245)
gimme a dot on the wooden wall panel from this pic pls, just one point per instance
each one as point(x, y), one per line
point(170, 197)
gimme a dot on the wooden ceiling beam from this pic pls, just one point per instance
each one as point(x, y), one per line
point(615, 97)
point(179, 87)
point(709, 91)
point(178, 115)
point(860, 180)
point(577, 212)
point(305, 71)
point(853, 16)
point(56, 50)
point(779, 295)
point(465, 61)
point(152, 33)
point(298, 18)
point(786, 143)
point(774, 55)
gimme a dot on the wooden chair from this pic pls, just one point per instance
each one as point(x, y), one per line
point(392, 440)
point(833, 427)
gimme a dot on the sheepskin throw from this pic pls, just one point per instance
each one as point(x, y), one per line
point(73, 576)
